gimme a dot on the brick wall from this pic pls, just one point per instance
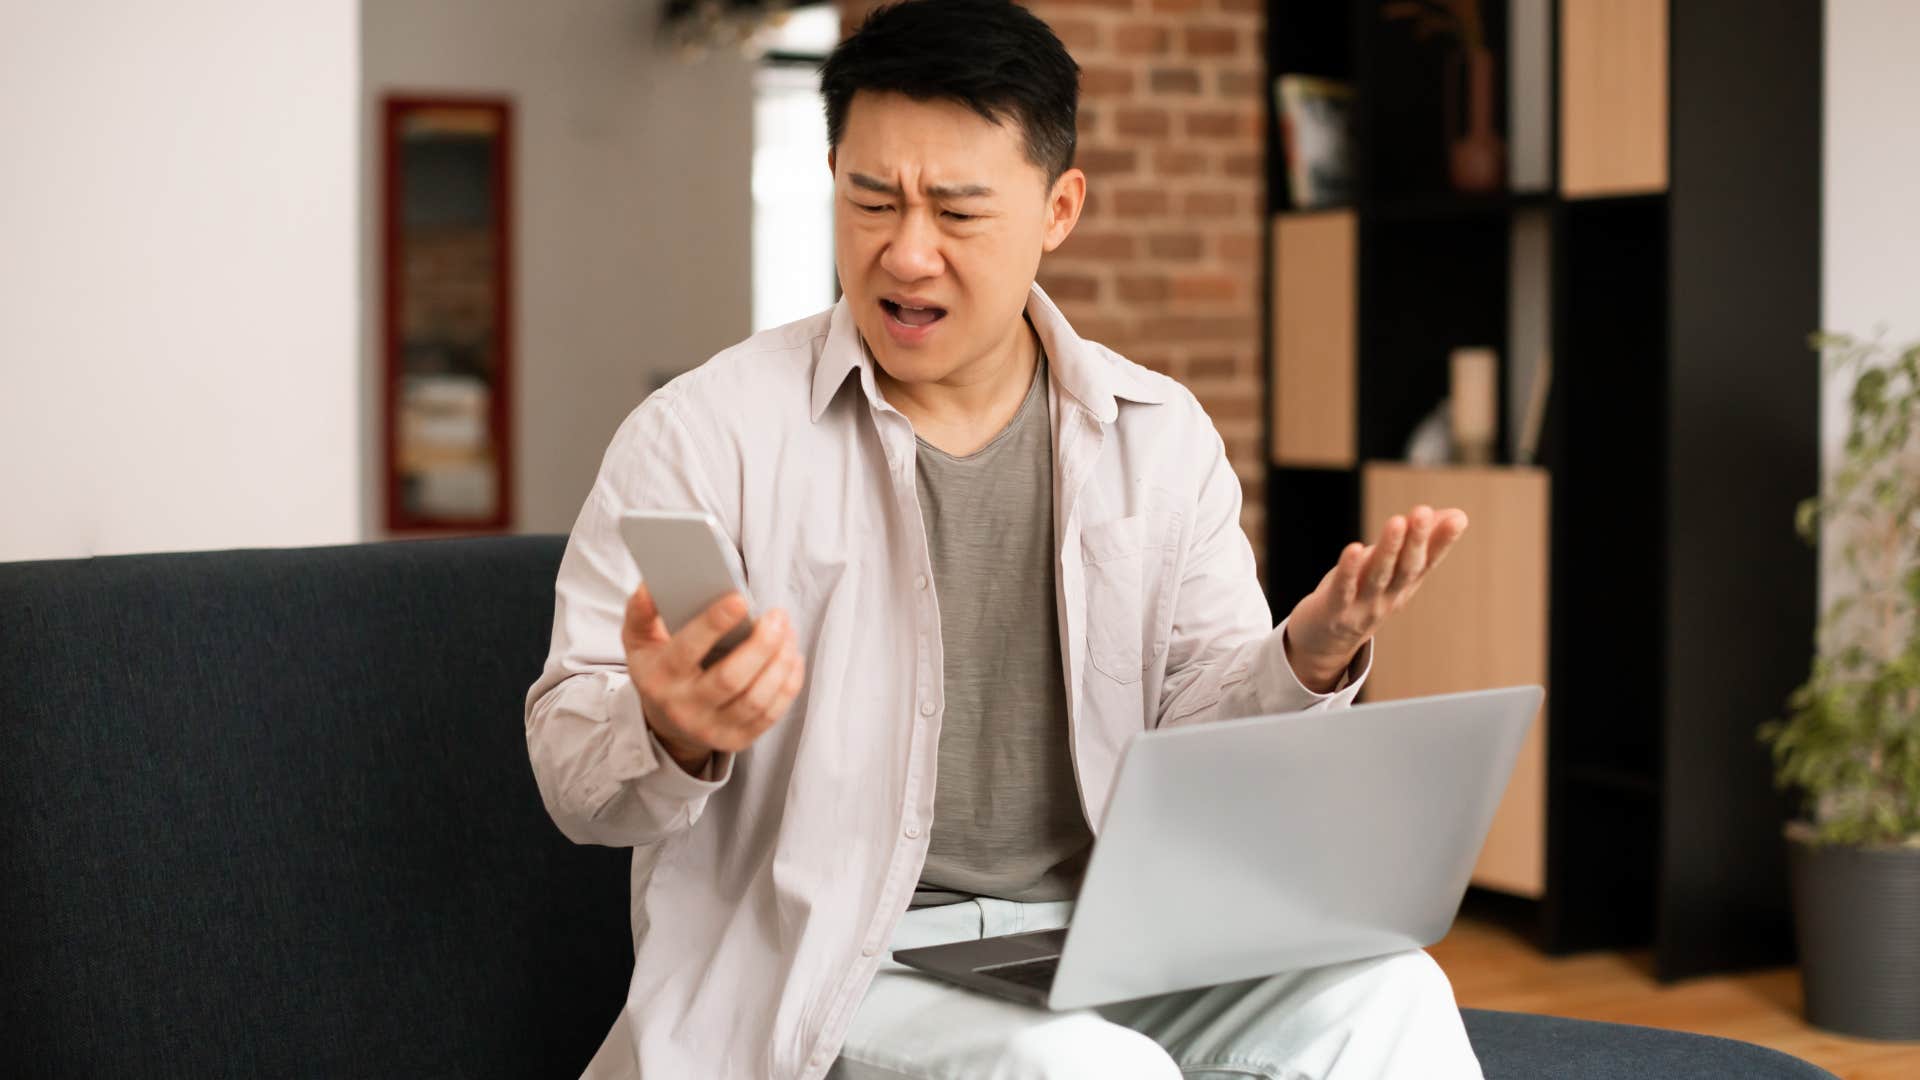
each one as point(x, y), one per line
point(1165, 264)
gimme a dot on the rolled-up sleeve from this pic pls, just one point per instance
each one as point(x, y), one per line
point(603, 776)
point(1226, 659)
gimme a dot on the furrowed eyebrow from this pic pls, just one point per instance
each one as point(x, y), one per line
point(938, 191)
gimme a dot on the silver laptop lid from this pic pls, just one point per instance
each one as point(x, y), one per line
point(1243, 848)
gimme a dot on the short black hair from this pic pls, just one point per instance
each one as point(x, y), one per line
point(993, 56)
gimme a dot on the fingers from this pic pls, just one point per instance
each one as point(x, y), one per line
point(1448, 529)
point(766, 698)
point(1413, 557)
point(1378, 572)
point(1345, 574)
point(730, 678)
point(1431, 534)
point(727, 706)
point(642, 626)
point(692, 642)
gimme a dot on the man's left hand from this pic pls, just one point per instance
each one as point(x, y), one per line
point(1369, 583)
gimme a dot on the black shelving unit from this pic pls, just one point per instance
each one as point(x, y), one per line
point(1681, 428)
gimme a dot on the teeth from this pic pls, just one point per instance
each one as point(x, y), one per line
point(914, 316)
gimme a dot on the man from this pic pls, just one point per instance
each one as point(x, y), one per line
point(987, 551)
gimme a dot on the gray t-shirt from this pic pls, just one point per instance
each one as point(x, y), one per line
point(1006, 811)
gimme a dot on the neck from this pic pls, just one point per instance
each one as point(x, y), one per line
point(965, 410)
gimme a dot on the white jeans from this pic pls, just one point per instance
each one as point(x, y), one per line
point(1391, 1016)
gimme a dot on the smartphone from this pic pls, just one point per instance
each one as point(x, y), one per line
point(687, 564)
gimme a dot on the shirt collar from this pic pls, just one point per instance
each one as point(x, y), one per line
point(1095, 381)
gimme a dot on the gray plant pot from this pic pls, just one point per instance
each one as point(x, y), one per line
point(1857, 911)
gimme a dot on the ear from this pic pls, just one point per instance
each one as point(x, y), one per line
point(1064, 202)
point(830, 171)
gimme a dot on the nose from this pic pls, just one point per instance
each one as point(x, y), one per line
point(913, 251)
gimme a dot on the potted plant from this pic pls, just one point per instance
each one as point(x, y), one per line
point(1851, 741)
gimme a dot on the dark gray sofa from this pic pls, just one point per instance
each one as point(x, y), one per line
point(268, 813)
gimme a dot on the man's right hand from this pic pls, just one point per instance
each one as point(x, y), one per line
point(696, 712)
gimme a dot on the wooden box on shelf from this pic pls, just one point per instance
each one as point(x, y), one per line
point(1613, 97)
point(1313, 339)
point(1479, 622)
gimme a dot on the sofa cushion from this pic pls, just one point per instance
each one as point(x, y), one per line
point(270, 813)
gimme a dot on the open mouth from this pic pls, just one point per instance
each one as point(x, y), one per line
point(913, 316)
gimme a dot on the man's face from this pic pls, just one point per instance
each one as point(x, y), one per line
point(939, 224)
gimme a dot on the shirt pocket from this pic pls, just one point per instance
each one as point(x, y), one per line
point(1112, 558)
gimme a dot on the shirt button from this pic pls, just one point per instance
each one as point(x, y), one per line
point(926, 708)
point(913, 832)
point(868, 951)
point(920, 582)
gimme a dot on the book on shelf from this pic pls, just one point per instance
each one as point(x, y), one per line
point(1315, 136)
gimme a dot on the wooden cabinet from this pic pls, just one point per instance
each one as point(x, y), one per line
point(1479, 622)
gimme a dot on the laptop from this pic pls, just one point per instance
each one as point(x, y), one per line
point(1244, 848)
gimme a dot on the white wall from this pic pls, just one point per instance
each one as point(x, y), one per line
point(177, 275)
point(634, 209)
point(1870, 254)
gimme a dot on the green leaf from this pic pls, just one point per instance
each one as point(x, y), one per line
point(1869, 394)
point(1806, 519)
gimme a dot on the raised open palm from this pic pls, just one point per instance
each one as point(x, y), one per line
point(1369, 583)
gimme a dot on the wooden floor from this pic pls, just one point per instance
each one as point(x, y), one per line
point(1493, 968)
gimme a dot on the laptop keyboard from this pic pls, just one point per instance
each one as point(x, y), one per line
point(1036, 974)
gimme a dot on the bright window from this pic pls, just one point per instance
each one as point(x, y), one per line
point(793, 274)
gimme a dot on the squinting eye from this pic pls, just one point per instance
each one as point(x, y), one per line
point(884, 207)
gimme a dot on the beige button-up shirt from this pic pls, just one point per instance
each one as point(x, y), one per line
point(764, 892)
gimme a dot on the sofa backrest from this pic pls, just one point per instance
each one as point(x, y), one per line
point(269, 813)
